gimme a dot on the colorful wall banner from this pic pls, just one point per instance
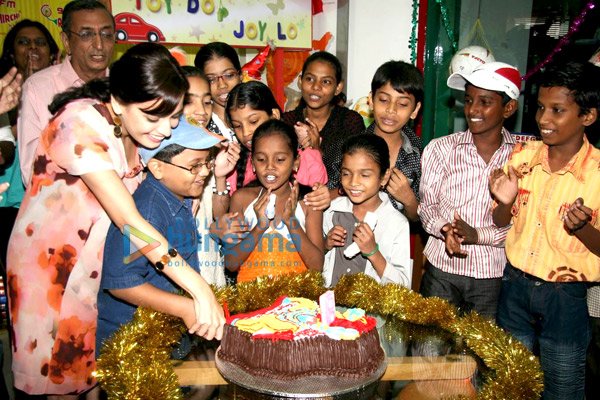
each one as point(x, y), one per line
point(244, 23)
point(48, 12)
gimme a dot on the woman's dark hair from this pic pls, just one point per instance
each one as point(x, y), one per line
point(7, 61)
point(257, 96)
point(402, 76)
point(145, 72)
point(373, 145)
point(78, 5)
point(582, 80)
point(274, 127)
point(328, 58)
point(217, 50)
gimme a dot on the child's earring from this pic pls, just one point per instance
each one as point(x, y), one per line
point(253, 170)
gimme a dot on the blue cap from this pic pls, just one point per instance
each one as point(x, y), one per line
point(188, 135)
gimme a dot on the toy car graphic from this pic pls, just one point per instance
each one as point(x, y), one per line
point(130, 27)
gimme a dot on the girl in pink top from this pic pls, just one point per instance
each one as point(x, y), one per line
point(248, 106)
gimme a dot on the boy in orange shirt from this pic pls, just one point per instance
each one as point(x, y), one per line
point(549, 191)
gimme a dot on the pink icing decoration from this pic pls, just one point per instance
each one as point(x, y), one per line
point(327, 306)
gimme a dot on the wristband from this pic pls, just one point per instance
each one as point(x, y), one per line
point(572, 231)
point(164, 260)
point(224, 192)
point(367, 255)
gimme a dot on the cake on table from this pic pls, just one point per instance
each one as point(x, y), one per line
point(290, 340)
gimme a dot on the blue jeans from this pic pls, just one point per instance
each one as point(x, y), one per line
point(551, 317)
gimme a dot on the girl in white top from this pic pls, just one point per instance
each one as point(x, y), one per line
point(384, 252)
point(288, 240)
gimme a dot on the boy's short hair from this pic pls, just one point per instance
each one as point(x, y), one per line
point(185, 136)
point(494, 76)
point(402, 76)
point(581, 78)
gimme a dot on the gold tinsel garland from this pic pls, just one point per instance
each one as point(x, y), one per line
point(134, 362)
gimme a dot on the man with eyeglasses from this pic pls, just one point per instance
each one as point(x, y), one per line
point(88, 36)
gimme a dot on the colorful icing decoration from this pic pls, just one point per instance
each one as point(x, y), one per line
point(291, 318)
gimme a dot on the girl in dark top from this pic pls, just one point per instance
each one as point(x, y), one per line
point(319, 122)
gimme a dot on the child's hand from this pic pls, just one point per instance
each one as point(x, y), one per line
point(260, 207)
point(308, 134)
point(230, 228)
point(319, 199)
point(577, 216)
point(336, 237)
point(364, 238)
point(289, 209)
point(399, 186)
point(226, 159)
point(504, 187)
point(466, 232)
point(453, 242)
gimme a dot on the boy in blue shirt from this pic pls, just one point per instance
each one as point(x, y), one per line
point(177, 170)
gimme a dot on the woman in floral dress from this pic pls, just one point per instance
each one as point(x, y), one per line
point(86, 167)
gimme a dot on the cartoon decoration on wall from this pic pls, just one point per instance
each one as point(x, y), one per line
point(252, 69)
point(222, 12)
point(132, 28)
point(47, 12)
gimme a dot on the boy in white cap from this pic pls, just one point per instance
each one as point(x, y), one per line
point(465, 250)
point(177, 169)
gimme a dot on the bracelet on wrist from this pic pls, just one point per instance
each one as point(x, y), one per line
point(375, 250)
point(224, 192)
point(578, 228)
point(165, 259)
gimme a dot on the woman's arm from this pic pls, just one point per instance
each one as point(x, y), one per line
point(112, 195)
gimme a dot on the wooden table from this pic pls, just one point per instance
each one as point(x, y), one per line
point(398, 369)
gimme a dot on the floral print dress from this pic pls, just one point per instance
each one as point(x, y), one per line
point(55, 252)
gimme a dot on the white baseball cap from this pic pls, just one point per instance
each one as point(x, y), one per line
point(496, 76)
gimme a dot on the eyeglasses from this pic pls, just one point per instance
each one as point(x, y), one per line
point(227, 77)
point(89, 35)
point(195, 169)
point(39, 42)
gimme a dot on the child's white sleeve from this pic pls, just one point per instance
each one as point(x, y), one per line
point(396, 251)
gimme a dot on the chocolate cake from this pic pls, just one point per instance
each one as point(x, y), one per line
point(288, 340)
